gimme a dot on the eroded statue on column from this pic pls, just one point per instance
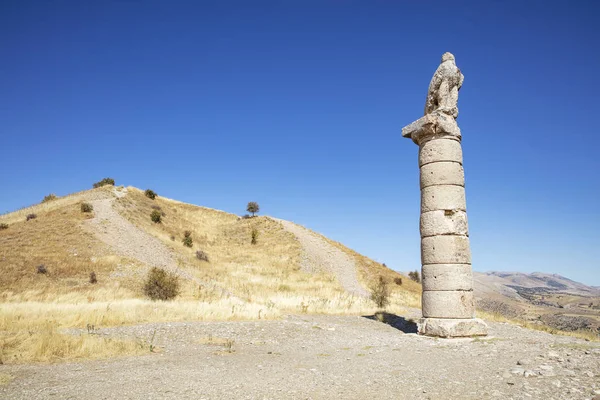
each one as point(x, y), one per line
point(444, 86)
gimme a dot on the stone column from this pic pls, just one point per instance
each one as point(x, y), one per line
point(448, 304)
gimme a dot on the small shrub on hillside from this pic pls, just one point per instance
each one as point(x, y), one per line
point(380, 292)
point(50, 197)
point(30, 216)
point(41, 269)
point(415, 276)
point(104, 182)
point(172, 238)
point(156, 217)
point(3, 226)
point(150, 194)
point(187, 239)
point(93, 278)
point(254, 236)
point(155, 207)
point(201, 255)
point(398, 281)
point(161, 285)
point(252, 207)
point(245, 216)
point(87, 207)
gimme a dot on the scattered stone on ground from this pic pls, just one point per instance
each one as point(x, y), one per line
point(318, 357)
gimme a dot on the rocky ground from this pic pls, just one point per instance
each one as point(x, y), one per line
point(320, 357)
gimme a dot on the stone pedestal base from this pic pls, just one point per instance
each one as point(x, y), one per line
point(449, 328)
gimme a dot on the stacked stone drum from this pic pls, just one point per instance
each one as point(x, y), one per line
point(445, 252)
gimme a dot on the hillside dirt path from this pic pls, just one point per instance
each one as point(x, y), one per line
point(318, 255)
point(129, 241)
point(320, 357)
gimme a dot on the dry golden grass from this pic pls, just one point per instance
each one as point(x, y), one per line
point(46, 344)
point(52, 205)
point(580, 334)
point(5, 379)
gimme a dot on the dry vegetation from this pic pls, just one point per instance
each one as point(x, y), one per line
point(243, 281)
point(497, 317)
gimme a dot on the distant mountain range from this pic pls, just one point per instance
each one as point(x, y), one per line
point(511, 283)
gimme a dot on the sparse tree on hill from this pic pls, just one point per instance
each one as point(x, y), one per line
point(380, 293)
point(253, 207)
point(415, 276)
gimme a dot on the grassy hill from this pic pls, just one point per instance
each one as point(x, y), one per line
point(119, 243)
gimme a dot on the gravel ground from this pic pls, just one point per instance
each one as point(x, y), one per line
point(320, 357)
point(318, 255)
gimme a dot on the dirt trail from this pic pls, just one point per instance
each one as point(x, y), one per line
point(130, 241)
point(320, 357)
point(318, 255)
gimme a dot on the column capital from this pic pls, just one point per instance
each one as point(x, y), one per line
point(432, 126)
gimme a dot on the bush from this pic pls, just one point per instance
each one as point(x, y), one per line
point(188, 241)
point(398, 281)
point(41, 269)
point(245, 216)
point(380, 292)
point(254, 236)
point(50, 197)
point(150, 194)
point(87, 207)
point(252, 207)
point(415, 276)
point(202, 256)
point(93, 278)
point(30, 216)
point(104, 182)
point(156, 217)
point(161, 285)
point(3, 226)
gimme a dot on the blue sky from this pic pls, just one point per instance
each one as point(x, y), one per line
point(299, 106)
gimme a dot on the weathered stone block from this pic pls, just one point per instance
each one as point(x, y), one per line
point(442, 173)
point(444, 222)
point(447, 249)
point(440, 150)
point(447, 277)
point(449, 328)
point(448, 304)
point(432, 126)
point(443, 197)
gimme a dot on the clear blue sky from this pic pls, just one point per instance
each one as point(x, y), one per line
point(298, 105)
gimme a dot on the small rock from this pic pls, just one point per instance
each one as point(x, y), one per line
point(569, 372)
point(557, 383)
point(553, 355)
point(589, 374)
point(517, 371)
point(524, 362)
point(529, 373)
